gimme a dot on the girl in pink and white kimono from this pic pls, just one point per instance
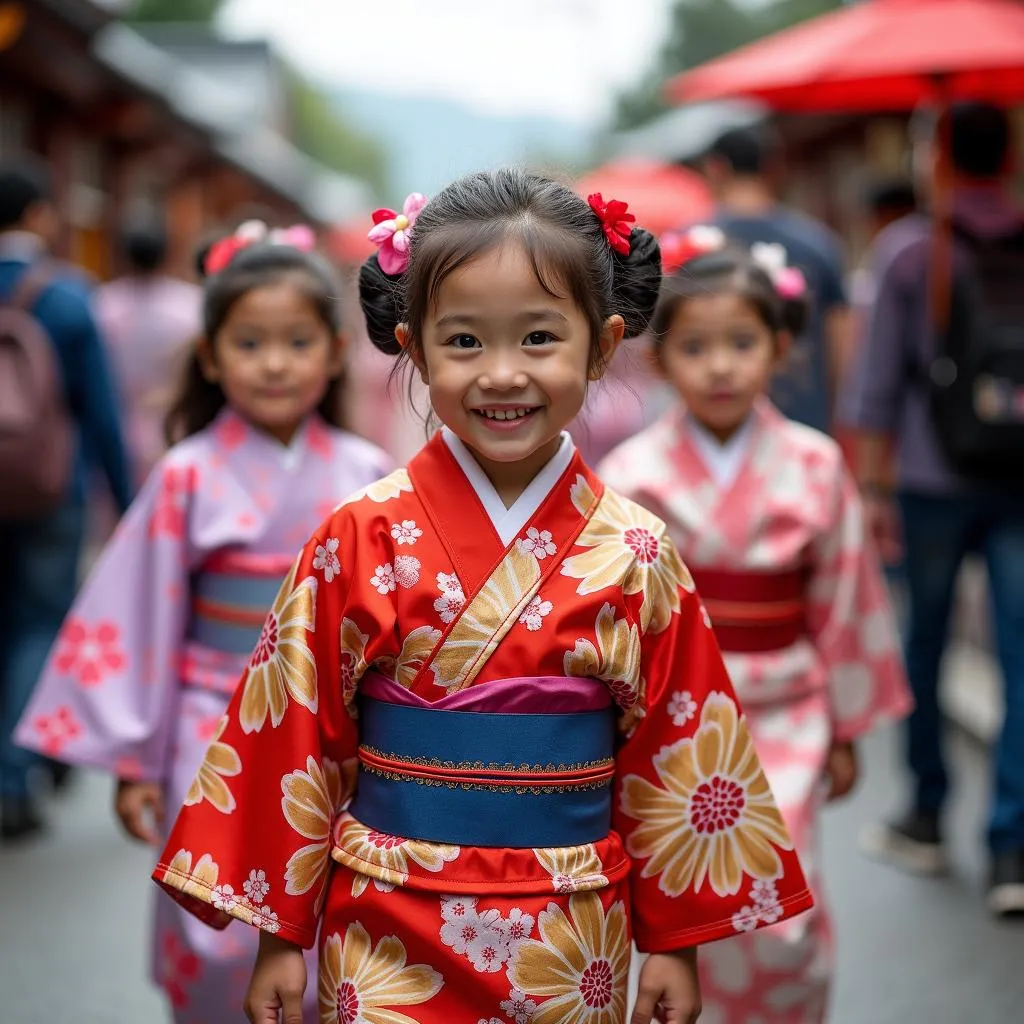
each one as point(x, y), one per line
point(140, 676)
point(769, 523)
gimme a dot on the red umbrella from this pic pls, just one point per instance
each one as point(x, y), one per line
point(662, 196)
point(880, 55)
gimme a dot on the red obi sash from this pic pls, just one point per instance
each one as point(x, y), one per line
point(754, 612)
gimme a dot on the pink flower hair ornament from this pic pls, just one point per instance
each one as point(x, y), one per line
point(392, 234)
point(772, 258)
point(255, 232)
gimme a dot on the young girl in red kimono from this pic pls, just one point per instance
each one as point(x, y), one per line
point(143, 668)
point(770, 524)
point(454, 753)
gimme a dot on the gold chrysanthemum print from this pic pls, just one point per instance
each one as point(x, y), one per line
point(483, 624)
point(360, 983)
point(221, 760)
point(353, 659)
point(384, 856)
point(713, 818)
point(198, 881)
point(310, 801)
point(386, 489)
point(282, 666)
point(628, 549)
point(580, 964)
point(615, 660)
point(572, 868)
point(416, 648)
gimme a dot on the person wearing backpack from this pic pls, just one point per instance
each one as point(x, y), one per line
point(950, 402)
point(58, 417)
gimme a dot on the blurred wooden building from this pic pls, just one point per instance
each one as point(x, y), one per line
point(126, 126)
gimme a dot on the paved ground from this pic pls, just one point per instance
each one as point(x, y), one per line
point(73, 944)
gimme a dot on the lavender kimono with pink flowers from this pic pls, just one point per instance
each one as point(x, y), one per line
point(149, 656)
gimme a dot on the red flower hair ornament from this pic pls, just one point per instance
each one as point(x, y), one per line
point(252, 232)
point(678, 248)
point(616, 221)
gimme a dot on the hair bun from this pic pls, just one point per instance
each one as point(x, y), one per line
point(638, 281)
point(380, 297)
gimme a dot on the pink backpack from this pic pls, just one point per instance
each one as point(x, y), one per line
point(36, 438)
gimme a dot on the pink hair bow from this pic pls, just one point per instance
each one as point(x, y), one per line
point(252, 232)
point(677, 249)
point(392, 234)
point(772, 258)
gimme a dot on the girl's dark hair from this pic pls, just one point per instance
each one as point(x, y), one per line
point(728, 270)
point(199, 400)
point(561, 234)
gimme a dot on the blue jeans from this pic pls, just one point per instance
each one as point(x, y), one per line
point(939, 530)
point(38, 576)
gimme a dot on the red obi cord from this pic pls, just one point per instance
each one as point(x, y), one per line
point(754, 612)
point(487, 776)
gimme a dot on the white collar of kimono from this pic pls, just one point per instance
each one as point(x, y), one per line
point(722, 460)
point(289, 455)
point(508, 523)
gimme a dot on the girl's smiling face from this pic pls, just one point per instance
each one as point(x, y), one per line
point(508, 363)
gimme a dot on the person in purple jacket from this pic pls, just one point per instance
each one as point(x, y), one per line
point(936, 515)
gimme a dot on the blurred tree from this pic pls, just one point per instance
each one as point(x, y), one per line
point(700, 30)
point(199, 11)
point(319, 129)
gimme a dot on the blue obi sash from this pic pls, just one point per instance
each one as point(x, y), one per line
point(477, 779)
point(229, 608)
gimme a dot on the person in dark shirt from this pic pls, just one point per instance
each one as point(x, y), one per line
point(39, 559)
point(743, 167)
point(934, 516)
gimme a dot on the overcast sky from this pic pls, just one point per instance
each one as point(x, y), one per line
point(564, 58)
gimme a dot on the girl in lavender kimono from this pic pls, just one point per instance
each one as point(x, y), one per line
point(139, 678)
point(764, 513)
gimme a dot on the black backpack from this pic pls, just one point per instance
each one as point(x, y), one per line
point(976, 382)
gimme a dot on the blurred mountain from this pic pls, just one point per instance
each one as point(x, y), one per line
point(429, 141)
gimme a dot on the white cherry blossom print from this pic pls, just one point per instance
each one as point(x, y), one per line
point(266, 919)
point(517, 927)
point(460, 932)
point(518, 1007)
point(450, 603)
point(224, 898)
point(256, 887)
point(448, 582)
point(325, 559)
point(682, 707)
point(406, 532)
point(537, 543)
point(457, 908)
point(745, 919)
point(407, 571)
point(535, 613)
point(488, 953)
point(383, 579)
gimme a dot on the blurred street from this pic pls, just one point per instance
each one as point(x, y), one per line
point(911, 951)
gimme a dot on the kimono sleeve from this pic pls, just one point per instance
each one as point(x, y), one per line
point(711, 854)
point(107, 696)
point(851, 622)
point(253, 840)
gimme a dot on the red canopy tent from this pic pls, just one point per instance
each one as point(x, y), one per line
point(875, 56)
point(661, 196)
